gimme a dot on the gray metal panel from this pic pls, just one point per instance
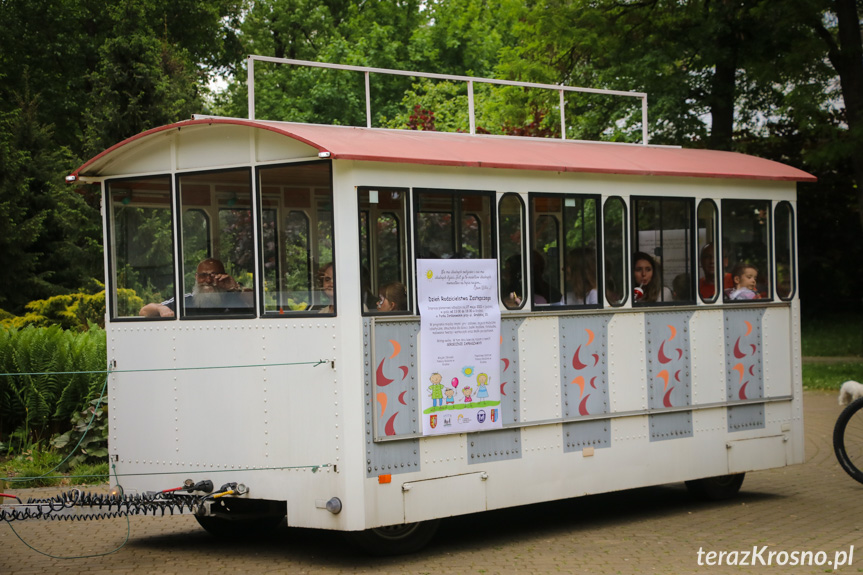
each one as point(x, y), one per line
point(580, 434)
point(744, 367)
point(391, 372)
point(584, 364)
point(669, 373)
point(509, 370)
point(670, 425)
point(743, 417)
point(498, 445)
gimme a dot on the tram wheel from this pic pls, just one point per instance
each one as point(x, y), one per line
point(848, 439)
point(394, 539)
point(716, 488)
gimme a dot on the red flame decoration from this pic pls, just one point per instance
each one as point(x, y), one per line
point(666, 401)
point(390, 429)
point(576, 363)
point(737, 353)
point(662, 357)
point(582, 407)
point(381, 379)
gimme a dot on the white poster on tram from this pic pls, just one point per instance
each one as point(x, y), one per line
point(460, 345)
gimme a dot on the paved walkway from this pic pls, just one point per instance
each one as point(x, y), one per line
point(812, 507)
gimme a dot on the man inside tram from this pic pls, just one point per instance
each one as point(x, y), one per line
point(212, 284)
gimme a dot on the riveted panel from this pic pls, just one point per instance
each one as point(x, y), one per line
point(669, 373)
point(497, 445)
point(500, 445)
point(509, 369)
point(580, 434)
point(744, 367)
point(584, 364)
point(389, 379)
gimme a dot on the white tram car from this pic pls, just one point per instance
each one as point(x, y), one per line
point(309, 396)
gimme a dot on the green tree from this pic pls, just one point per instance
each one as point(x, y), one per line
point(80, 76)
point(376, 34)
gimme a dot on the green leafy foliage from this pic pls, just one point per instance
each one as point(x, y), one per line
point(73, 311)
point(34, 394)
point(87, 441)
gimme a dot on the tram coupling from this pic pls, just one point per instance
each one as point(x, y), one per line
point(75, 505)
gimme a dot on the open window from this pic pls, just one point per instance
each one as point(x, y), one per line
point(141, 244)
point(785, 271)
point(746, 247)
point(217, 244)
point(564, 250)
point(709, 254)
point(614, 243)
point(453, 224)
point(297, 239)
point(513, 285)
point(384, 286)
point(662, 246)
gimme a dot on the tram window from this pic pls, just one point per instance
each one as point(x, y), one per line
point(511, 260)
point(297, 239)
point(614, 246)
point(662, 250)
point(708, 234)
point(216, 224)
point(745, 243)
point(784, 251)
point(453, 224)
point(564, 254)
point(141, 245)
point(383, 250)
point(196, 238)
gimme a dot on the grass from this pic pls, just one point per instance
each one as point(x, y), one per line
point(830, 375)
point(833, 335)
point(35, 468)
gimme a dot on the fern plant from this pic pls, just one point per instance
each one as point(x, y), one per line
point(44, 377)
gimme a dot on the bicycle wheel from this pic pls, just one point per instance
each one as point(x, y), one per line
point(848, 439)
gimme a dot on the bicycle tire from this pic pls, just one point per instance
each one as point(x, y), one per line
point(848, 440)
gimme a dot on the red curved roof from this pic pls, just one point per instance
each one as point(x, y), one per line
point(453, 149)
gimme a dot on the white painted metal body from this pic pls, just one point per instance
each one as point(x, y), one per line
point(300, 433)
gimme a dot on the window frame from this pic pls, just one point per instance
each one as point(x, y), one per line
point(691, 246)
point(792, 245)
point(405, 235)
point(522, 249)
point(564, 254)
point(312, 229)
point(111, 245)
point(456, 193)
point(769, 266)
point(180, 294)
point(718, 268)
point(627, 266)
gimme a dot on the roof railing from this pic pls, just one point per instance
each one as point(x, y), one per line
point(470, 80)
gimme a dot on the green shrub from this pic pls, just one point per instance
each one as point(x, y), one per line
point(89, 434)
point(34, 394)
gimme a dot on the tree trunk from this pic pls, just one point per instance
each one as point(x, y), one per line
point(848, 62)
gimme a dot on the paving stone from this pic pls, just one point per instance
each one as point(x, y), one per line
point(806, 508)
